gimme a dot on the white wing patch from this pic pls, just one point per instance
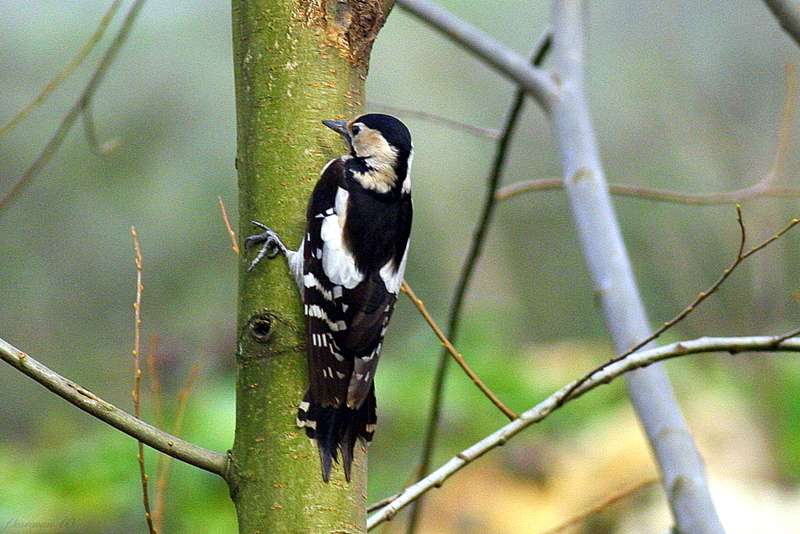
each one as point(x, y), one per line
point(338, 264)
point(393, 280)
point(407, 181)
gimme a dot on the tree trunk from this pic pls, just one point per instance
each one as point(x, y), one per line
point(295, 64)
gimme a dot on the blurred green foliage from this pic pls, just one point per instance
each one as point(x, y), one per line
point(685, 97)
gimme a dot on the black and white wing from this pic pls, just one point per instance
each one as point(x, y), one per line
point(346, 314)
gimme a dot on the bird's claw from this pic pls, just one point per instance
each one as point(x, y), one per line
point(271, 244)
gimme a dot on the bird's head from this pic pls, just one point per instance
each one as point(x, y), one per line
point(381, 143)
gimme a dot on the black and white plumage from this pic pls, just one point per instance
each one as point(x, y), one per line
point(349, 268)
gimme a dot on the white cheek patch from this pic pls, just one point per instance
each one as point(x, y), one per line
point(379, 156)
point(380, 182)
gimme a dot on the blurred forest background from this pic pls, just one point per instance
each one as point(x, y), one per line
point(685, 96)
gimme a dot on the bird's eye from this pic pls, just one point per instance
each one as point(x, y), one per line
point(356, 130)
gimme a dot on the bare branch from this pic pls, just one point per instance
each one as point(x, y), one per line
point(468, 268)
point(67, 70)
point(732, 197)
point(599, 507)
point(76, 110)
point(155, 382)
point(137, 378)
point(92, 139)
point(788, 14)
point(231, 233)
point(90, 403)
point(740, 257)
point(536, 82)
point(155, 392)
point(763, 188)
point(785, 130)
point(681, 466)
point(546, 407)
point(380, 504)
point(784, 337)
point(166, 466)
point(455, 354)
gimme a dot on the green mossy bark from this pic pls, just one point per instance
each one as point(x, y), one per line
point(296, 63)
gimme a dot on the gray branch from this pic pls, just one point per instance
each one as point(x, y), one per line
point(515, 67)
point(630, 364)
point(564, 101)
point(788, 14)
point(682, 470)
point(90, 403)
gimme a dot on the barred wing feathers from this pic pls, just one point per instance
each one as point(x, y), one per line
point(346, 317)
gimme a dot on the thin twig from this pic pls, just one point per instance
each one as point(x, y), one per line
point(137, 327)
point(90, 403)
point(451, 350)
point(77, 108)
point(763, 188)
point(646, 193)
point(228, 226)
point(137, 381)
point(380, 504)
point(788, 16)
point(571, 392)
point(602, 505)
point(536, 82)
point(383, 502)
point(433, 117)
point(155, 390)
point(91, 134)
point(155, 382)
point(784, 337)
point(65, 73)
point(177, 429)
point(740, 257)
point(785, 130)
point(468, 269)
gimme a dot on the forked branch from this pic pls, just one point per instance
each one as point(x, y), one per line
point(740, 257)
point(536, 82)
point(759, 190)
point(78, 108)
point(764, 188)
point(573, 391)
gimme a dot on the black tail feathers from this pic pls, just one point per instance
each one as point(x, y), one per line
point(336, 428)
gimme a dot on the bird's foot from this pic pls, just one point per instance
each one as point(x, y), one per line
point(271, 244)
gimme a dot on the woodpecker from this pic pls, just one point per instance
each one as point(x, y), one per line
point(349, 268)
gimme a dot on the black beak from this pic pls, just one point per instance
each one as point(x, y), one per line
point(339, 127)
